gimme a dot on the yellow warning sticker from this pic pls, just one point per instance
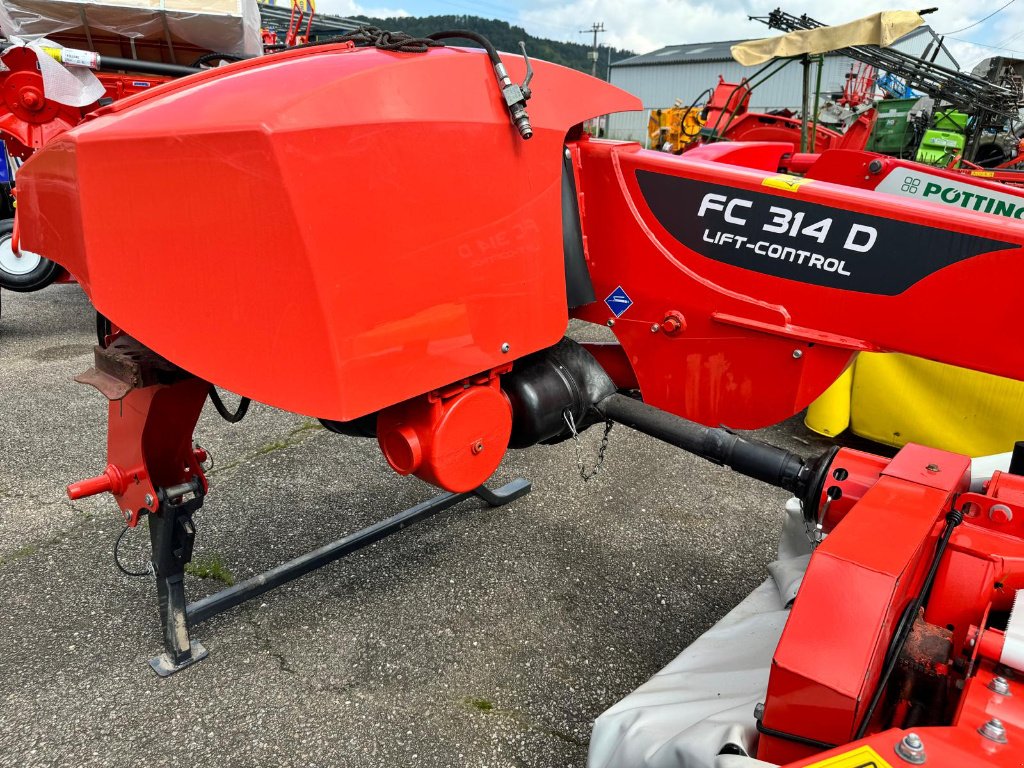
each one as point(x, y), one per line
point(786, 182)
point(986, 174)
point(861, 757)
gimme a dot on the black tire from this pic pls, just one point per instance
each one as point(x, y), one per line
point(40, 276)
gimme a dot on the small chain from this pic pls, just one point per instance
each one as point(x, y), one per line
point(814, 530)
point(584, 473)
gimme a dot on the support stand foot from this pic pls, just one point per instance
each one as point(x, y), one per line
point(165, 666)
point(172, 534)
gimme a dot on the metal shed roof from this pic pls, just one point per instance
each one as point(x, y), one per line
point(693, 53)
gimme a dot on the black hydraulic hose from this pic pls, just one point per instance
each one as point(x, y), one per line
point(693, 105)
point(753, 458)
point(228, 416)
point(466, 34)
point(206, 58)
point(953, 519)
point(114, 63)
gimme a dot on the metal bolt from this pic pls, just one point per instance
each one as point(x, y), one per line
point(149, 499)
point(797, 354)
point(478, 446)
point(505, 348)
point(1000, 685)
point(932, 467)
point(655, 328)
point(611, 321)
point(759, 711)
point(875, 166)
point(911, 749)
point(993, 730)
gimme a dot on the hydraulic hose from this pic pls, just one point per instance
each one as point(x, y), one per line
point(466, 34)
point(114, 63)
point(515, 96)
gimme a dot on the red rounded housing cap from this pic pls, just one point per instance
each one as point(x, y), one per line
point(455, 443)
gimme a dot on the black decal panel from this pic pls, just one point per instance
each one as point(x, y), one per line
point(790, 238)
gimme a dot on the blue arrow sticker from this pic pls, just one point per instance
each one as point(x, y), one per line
point(618, 302)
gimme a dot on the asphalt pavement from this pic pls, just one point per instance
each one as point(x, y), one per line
point(480, 637)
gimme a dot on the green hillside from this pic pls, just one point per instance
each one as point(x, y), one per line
point(505, 38)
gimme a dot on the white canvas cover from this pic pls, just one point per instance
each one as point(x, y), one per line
point(881, 29)
point(705, 698)
point(224, 26)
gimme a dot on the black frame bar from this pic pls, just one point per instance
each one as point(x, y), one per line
point(183, 618)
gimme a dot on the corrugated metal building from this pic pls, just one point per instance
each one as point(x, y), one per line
point(684, 71)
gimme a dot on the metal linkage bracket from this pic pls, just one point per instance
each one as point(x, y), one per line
point(172, 534)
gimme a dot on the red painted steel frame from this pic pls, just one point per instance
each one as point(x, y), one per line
point(818, 685)
point(149, 446)
point(758, 348)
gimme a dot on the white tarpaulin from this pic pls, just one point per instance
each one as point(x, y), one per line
point(881, 29)
point(224, 26)
point(704, 700)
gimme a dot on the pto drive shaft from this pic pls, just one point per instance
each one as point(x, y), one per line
point(753, 458)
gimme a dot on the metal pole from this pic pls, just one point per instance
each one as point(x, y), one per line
point(806, 106)
point(817, 96)
point(203, 609)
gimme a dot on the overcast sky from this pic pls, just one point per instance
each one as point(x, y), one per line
point(650, 24)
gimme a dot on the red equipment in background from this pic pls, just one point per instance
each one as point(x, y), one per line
point(859, 87)
point(28, 120)
point(737, 294)
point(299, 9)
point(728, 118)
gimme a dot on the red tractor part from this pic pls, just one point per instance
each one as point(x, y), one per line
point(152, 413)
point(454, 439)
point(29, 120)
point(480, 269)
point(299, 10)
point(736, 293)
point(895, 646)
point(729, 118)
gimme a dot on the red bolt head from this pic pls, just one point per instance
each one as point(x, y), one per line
point(31, 99)
point(674, 322)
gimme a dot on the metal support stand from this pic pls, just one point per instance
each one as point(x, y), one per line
point(175, 534)
point(172, 534)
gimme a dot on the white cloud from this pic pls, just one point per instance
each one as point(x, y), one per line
point(351, 8)
point(646, 26)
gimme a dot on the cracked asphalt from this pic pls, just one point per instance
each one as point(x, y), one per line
point(480, 637)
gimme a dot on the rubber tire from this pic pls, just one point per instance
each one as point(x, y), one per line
point(40, 277)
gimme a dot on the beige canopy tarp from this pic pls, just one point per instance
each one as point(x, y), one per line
point(882, 29)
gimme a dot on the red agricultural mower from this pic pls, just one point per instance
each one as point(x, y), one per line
point(737, 291)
